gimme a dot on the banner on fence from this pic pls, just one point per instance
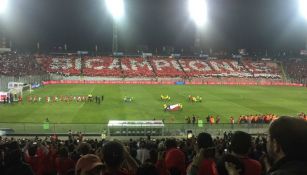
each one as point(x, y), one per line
point(173, 82)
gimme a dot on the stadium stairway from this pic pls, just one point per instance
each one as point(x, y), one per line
point(284, 75)
point(153, 70)
point(121, 68)
point(177, 60)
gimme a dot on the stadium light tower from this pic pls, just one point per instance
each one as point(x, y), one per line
point(303, 8)
point(3, 6)
point(198, 13)
point(303, 11)
point(116, 9)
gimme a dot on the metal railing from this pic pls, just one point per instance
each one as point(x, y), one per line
point(170, 129)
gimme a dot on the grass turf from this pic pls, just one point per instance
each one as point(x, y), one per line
point(217, 100)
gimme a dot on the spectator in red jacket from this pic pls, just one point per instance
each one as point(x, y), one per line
point(174, 157)
point(35, 155)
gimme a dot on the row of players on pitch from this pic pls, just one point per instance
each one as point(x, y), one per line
point(190, 98)
point(82, 98)
point(97, 99)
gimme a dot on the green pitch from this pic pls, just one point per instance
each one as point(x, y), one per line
point(217, 100)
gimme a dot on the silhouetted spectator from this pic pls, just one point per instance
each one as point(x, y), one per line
point(147, 169)
point(13, 161)
point(286, 146)
point(241, 144)
point(114, 155)
point(89, 164)
point(207, 164)
point(84, 148)
point(239, 165)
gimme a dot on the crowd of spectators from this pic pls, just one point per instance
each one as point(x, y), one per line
point(63, 65)
point(12, 64)
point(296, 69)
point(101, 66)
point(262, 68)
point(283, 151)
point(136, 67)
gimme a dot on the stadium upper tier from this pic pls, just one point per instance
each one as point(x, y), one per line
point(17, 65)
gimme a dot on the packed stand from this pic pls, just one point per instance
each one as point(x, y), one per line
point(136, 67)
point(64, 65)
point(267, 69)
point(296, 69)
point(283, 151)
point(74, 65)
point(166, 67)
point(213, 68)
point(12, 64)
point(102, 66)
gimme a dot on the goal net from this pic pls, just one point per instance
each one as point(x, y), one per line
point(18, 91)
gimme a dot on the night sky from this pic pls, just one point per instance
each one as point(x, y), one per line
point(257, 24)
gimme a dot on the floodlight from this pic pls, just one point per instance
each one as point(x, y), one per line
point(303, 8)
point(116, 8)
point(198, 11)
point(3, 6)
